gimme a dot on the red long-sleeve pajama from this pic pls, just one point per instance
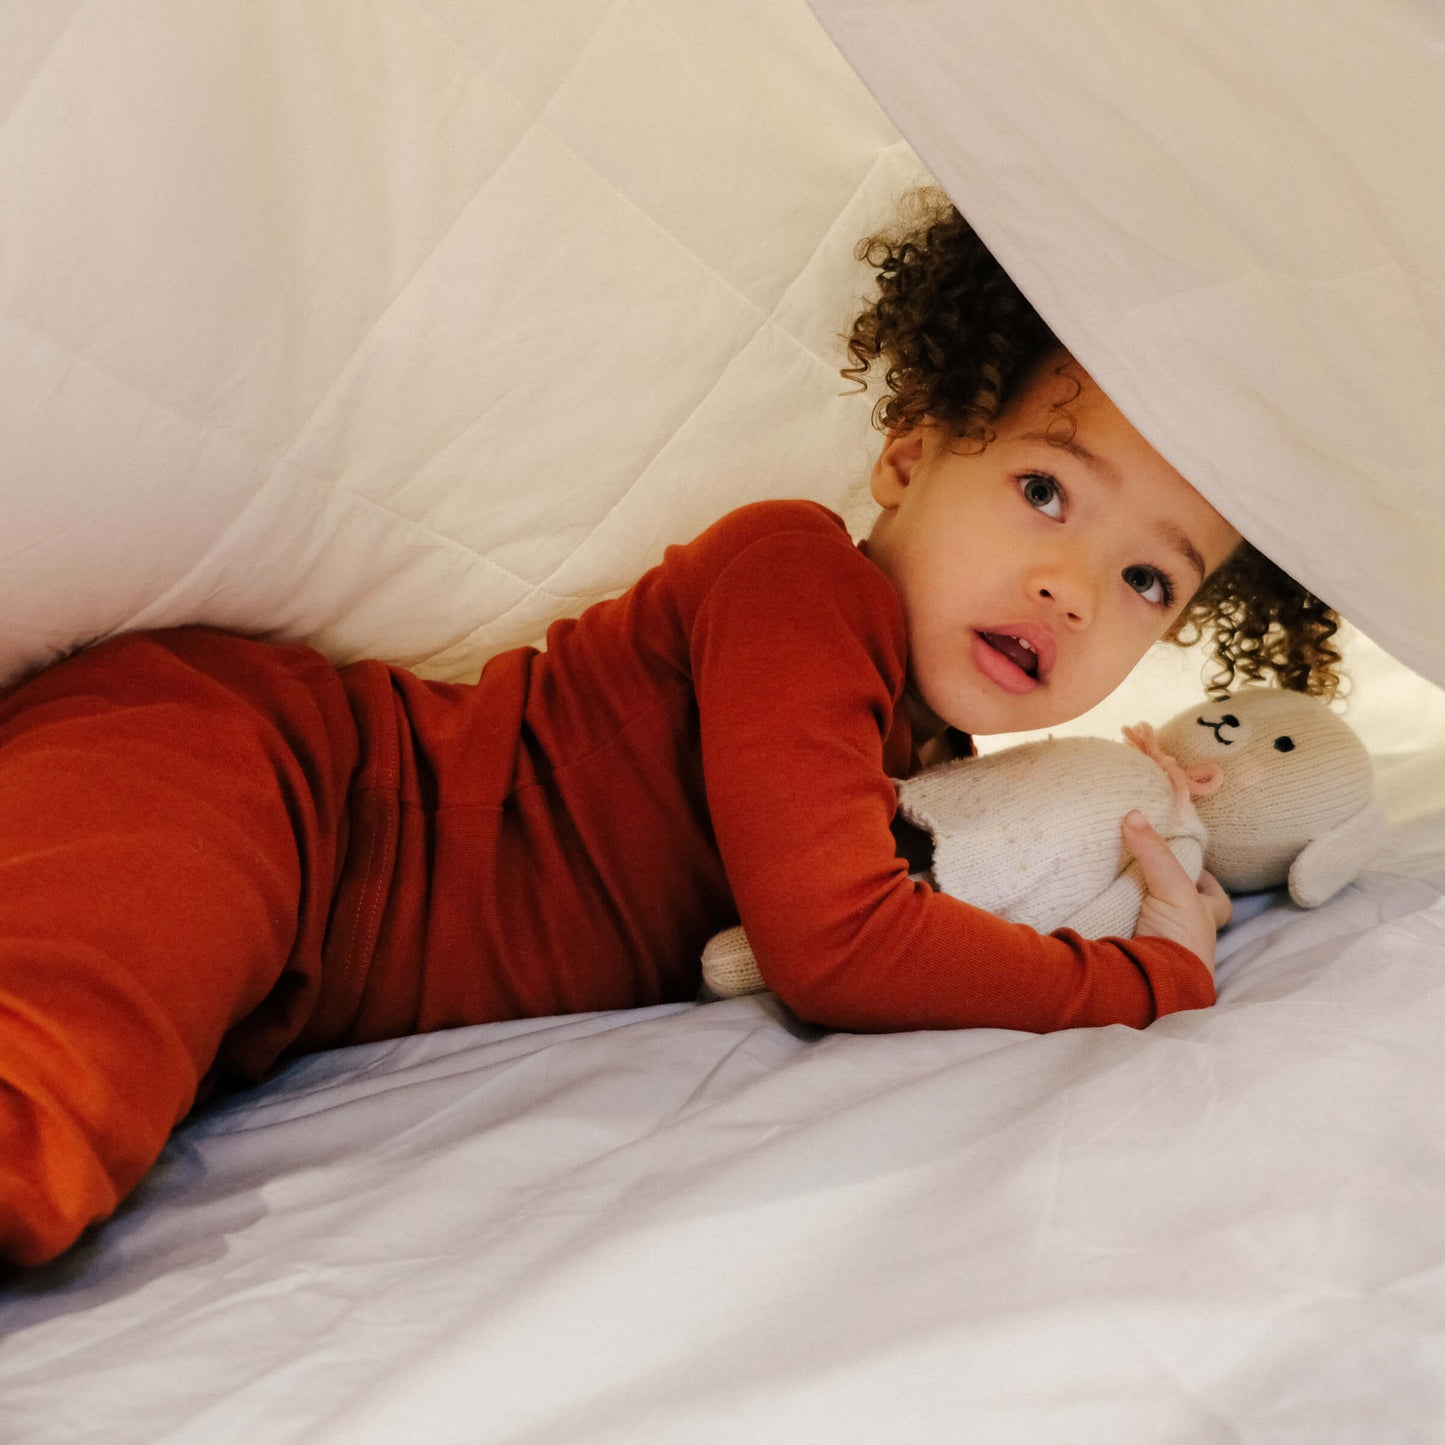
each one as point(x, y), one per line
point(215, 853)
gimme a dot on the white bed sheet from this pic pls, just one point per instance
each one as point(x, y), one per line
point(705, 1224)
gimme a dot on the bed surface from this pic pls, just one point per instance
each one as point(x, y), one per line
point(704, 1223)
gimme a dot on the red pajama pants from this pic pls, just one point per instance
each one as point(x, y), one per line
point(202, 869)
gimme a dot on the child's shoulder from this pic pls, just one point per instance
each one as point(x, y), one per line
point(780, 559)
point(757, 520)
point(768, 539)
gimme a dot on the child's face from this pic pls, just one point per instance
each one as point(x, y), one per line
point(1034, 574)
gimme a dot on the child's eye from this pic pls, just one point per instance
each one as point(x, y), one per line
point(1151, 584)
point(1043, 493)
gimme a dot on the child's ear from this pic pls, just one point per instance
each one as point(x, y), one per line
point(902, 451)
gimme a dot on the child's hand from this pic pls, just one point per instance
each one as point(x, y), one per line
point(1174, 907)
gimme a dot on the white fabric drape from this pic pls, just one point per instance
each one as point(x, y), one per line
point(1235, 216)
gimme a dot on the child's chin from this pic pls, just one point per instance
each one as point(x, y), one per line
point(979, 707)
point(992, 717)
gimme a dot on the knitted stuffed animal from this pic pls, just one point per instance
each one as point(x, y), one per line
point(1263, 787)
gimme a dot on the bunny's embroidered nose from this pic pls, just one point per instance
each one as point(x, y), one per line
point(1227, 721)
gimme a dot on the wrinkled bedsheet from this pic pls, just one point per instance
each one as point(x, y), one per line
point(707, 1224)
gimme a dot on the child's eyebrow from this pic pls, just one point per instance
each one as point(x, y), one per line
point(1075, 448)
point(1180, 540)
point(1107, 472)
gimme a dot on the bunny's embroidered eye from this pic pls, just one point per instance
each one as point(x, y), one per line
point(1284, 745)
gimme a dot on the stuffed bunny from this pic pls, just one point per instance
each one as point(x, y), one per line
point(1263, 787)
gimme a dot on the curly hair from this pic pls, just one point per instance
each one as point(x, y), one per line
point(957, 340)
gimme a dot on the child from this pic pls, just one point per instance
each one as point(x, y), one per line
point(217, 853)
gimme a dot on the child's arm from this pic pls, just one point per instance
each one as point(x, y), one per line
point(797, 656)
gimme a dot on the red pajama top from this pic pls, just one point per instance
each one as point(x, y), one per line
point(717, 743)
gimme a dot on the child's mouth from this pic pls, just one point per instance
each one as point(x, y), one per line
point(1016, 650)
point(1010, 660)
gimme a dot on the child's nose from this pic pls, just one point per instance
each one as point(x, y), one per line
point(1068, 587)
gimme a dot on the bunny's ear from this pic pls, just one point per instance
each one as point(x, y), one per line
point(1337, 857)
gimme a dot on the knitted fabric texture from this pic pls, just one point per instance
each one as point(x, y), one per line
point(1297, 799)
point(1031, 833)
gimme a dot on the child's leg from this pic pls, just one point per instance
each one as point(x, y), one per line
point(169, 815)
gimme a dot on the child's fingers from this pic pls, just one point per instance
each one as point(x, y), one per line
point(1174, 906)
point(1218, 900)
point(1164, 875)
